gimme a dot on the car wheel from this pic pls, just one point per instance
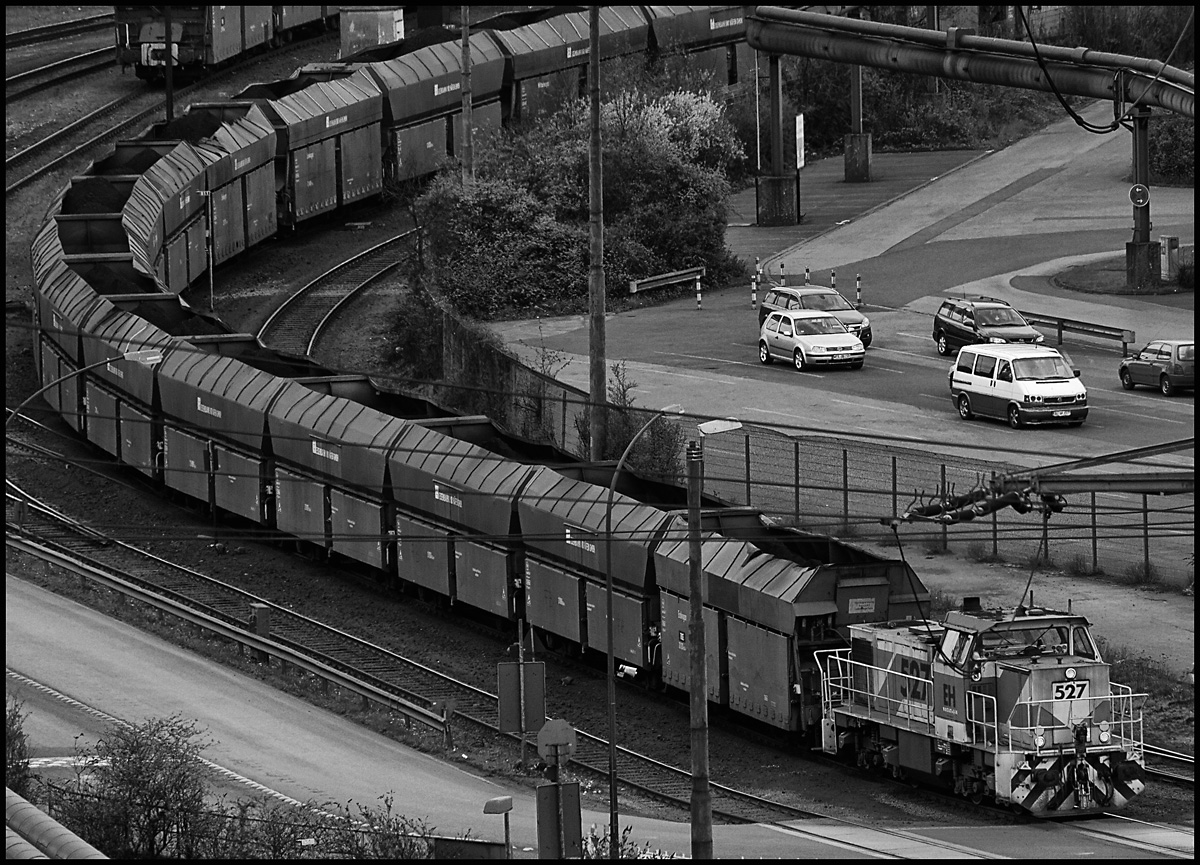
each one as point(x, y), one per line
point(867, 342)
point(1014, 417)
point(1126, 380)
point(1164, 384)
point(1075, 423)
point(798, 360)
point(858, 365)
point(964, 407)
point(764, 353)
point(943, 345)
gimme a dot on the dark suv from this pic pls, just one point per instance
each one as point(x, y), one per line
point(980, 319)
point(818, 297)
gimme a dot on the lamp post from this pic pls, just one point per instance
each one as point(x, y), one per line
point(613, 829)
point(146, 356)
point(701, 803)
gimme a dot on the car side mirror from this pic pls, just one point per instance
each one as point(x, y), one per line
point(1078, 373)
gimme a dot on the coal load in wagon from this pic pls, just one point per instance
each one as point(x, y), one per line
point(93, 195)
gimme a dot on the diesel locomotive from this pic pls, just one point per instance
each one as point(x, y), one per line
point(1011, 705)
point(458, 510)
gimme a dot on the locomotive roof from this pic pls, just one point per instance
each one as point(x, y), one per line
point(1005, 620)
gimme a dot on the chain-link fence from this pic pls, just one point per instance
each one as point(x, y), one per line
point(845, 487)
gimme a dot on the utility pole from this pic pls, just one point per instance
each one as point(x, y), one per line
point(702, 841)
point(468, 156)
point(596, 297)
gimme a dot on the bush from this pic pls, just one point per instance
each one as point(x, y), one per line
point(17, 775)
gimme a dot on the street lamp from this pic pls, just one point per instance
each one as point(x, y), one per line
point(613, 829)
point(701, 803)
point(147, 356)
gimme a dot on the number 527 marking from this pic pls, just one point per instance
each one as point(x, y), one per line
point(1070, 690)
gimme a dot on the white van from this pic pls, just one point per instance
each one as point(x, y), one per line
point(1023, 384)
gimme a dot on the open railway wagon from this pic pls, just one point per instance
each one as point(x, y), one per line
point(1011, 705)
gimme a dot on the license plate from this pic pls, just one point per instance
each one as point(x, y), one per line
point(839, 357)
point(1062, 414)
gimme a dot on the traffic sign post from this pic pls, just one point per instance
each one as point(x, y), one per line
point(560, 820)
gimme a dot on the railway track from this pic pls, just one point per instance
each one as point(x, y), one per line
point(53, 32)
point(25, 84)
point(82, 137)
point(297, 324)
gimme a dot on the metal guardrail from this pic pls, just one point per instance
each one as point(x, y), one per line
point(261, 646)
point(1085, 327)
point(691, 274)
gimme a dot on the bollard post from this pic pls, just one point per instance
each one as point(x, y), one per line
point(782, 280)
point(754, 278)
point(858, 289)
point(806, 276)
point(833, 279)
point(697, 293)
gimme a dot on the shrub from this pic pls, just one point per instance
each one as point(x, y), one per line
point(17, 775)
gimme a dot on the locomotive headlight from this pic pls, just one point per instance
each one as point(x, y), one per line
point(1071, 672)
point(1039, 736)
point(1104, 737)
point(1103, 726)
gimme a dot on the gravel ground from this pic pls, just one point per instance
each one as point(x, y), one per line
point(244, 291)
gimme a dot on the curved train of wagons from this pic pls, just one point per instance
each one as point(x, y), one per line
point(805, 633)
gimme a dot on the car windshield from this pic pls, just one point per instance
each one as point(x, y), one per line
point(1187, 352)
point(825, 302)
point(1042, 368)
point(998, 317)
point(812, 326)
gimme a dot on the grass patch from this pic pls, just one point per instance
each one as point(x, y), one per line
point(981, 553)
point(940, 603)
point(1142, 574)
point(1143, 675)
point(1080, 565)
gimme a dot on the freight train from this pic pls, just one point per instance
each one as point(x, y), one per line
point(459, 511)
point(204, 38)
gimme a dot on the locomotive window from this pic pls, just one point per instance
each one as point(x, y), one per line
point(1083, 646)
point(955, 646)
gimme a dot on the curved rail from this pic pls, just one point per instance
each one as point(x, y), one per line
point(295, 325)
point(51, 32)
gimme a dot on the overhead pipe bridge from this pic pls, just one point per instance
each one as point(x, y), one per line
point(965, 57)
point(1134, 85)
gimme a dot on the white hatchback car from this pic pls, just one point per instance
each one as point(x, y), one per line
point(808, 338)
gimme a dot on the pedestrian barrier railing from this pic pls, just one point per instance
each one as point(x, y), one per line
point(676, 277)
point(1085, 327)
